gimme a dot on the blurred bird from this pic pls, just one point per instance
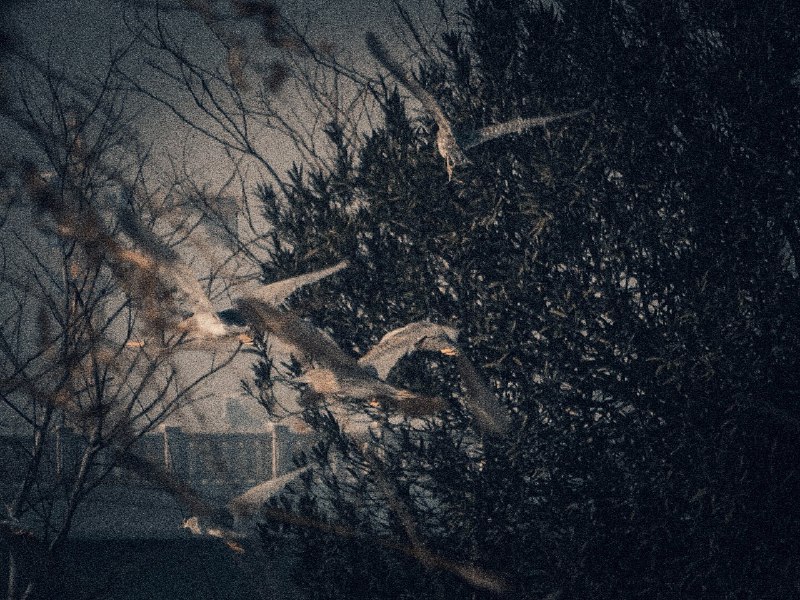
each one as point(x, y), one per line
point(360, 384)
point(166, 267)
point(209, 325)
point(236, 60)
point(245, 506)
point(205, 322)
point(331, 372)
point(450, 141)
point(420, 335)
point(430, 337)
point(230, 524)
point(134, 269)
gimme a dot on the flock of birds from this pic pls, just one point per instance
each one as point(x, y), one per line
point(257, 310)
point(144, 263)
point(154, 275)
point(327, 369)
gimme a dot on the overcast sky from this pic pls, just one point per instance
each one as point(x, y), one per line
point(78, 35)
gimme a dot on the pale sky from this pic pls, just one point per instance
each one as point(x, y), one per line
point(78, 34)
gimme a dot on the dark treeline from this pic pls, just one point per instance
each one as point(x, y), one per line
point(627, 279)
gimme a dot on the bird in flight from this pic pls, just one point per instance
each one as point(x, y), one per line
point(230, 524)
point(332, 372)
point(450, 141)
point(329, 370)
point(431, 337)
point(206, 324)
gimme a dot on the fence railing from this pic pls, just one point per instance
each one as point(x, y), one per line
point(229, 458)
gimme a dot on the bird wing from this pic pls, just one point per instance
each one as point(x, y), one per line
point(205, 326)
point(480, 400)
point(133, 268)
point(410, 403)
point(196, 296)
point(420, 335)
point(338, 373)
point(491, 132)
point(205, 320)
point(278, 292)
point(288, 327)
point(429, 103)
point(168, 262)
point(424, 335)
point(359, 384)
point(250, 502)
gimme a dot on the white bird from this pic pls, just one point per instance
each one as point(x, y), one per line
point(419, 335)
point(332, 372)
point(210, 325)
point(206, 323)
point(247, 505)
point(427, 336)
point(451, 142)
point(231, 523)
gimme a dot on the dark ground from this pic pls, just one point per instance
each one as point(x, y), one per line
point(163, 569)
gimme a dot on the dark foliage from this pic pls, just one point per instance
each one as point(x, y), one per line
point(628, 282)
